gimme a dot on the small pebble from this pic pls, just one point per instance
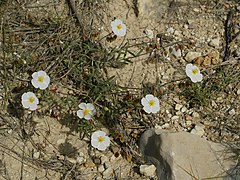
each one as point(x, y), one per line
point(107, 173)
point(10, 131)
point(198, 130)
point(196, 10)
point(215, 42)
point(178, 113)
point(107, 164)
point(232, 112)
point(185, 26)
point(192, 55)
point(149, 33)
point(60, 141)
point(74, 161)
point(238, 91)
point(101, 168)
point(195, 114)
point(188, 123)
point(166, 125)
point(36, 155)
point(237, 52)
point(158, 126)
point(184, 109)
point(175, 117)
point(177, 33)
point(178, 107)
point(170, 30)
point(80, 159)
point(148, 170)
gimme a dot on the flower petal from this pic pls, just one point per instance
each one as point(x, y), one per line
point(94, 143)
point(147, 109)
point(88, 116)
point(149, 97)
point(101, 147)
point(90, 106)
point(189, 68)
point(155, 109)
point(80, 113)
point(144, 101)
point(35, 75)
point(35, 83)
point(33, 107)
point(95, 135)
point(42, 85)
point(42, 73)
point(106, 141)
point(82, 105)
point(197, 78)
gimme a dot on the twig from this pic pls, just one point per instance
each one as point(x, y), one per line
point(228, 36)
point(72, 6)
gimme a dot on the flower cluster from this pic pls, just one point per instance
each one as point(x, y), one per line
point(99, 139)
point(39, 80)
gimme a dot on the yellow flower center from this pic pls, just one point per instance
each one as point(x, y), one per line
point(119, 26)
point(40, 79)
point(86, 112)
point(100, 139)
point(151, 102)
point(31, 99)
point(194, 71)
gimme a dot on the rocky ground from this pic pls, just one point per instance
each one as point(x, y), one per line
point(190, 32)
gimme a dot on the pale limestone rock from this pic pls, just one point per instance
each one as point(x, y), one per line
point(152, 8)
point(107, 173)
point(192, 55)
point(198, 130)
point(175, 118)
point(101, 168)
point(36, 155)
point(148, 170)
point(175, 155)
point(178, 107)
point(195, 114)
point(215, 42)
point(184, 109)
point(170, 30)
point(232, 112)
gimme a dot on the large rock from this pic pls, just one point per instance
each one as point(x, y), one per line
point(184, 156)
point(154, 9)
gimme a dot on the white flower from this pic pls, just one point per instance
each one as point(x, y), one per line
point(193, 72)
point(150, 104)
point(87, 111)
point(99, 140)
point(118, 27)
point(29, 100)
point(40, 80)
